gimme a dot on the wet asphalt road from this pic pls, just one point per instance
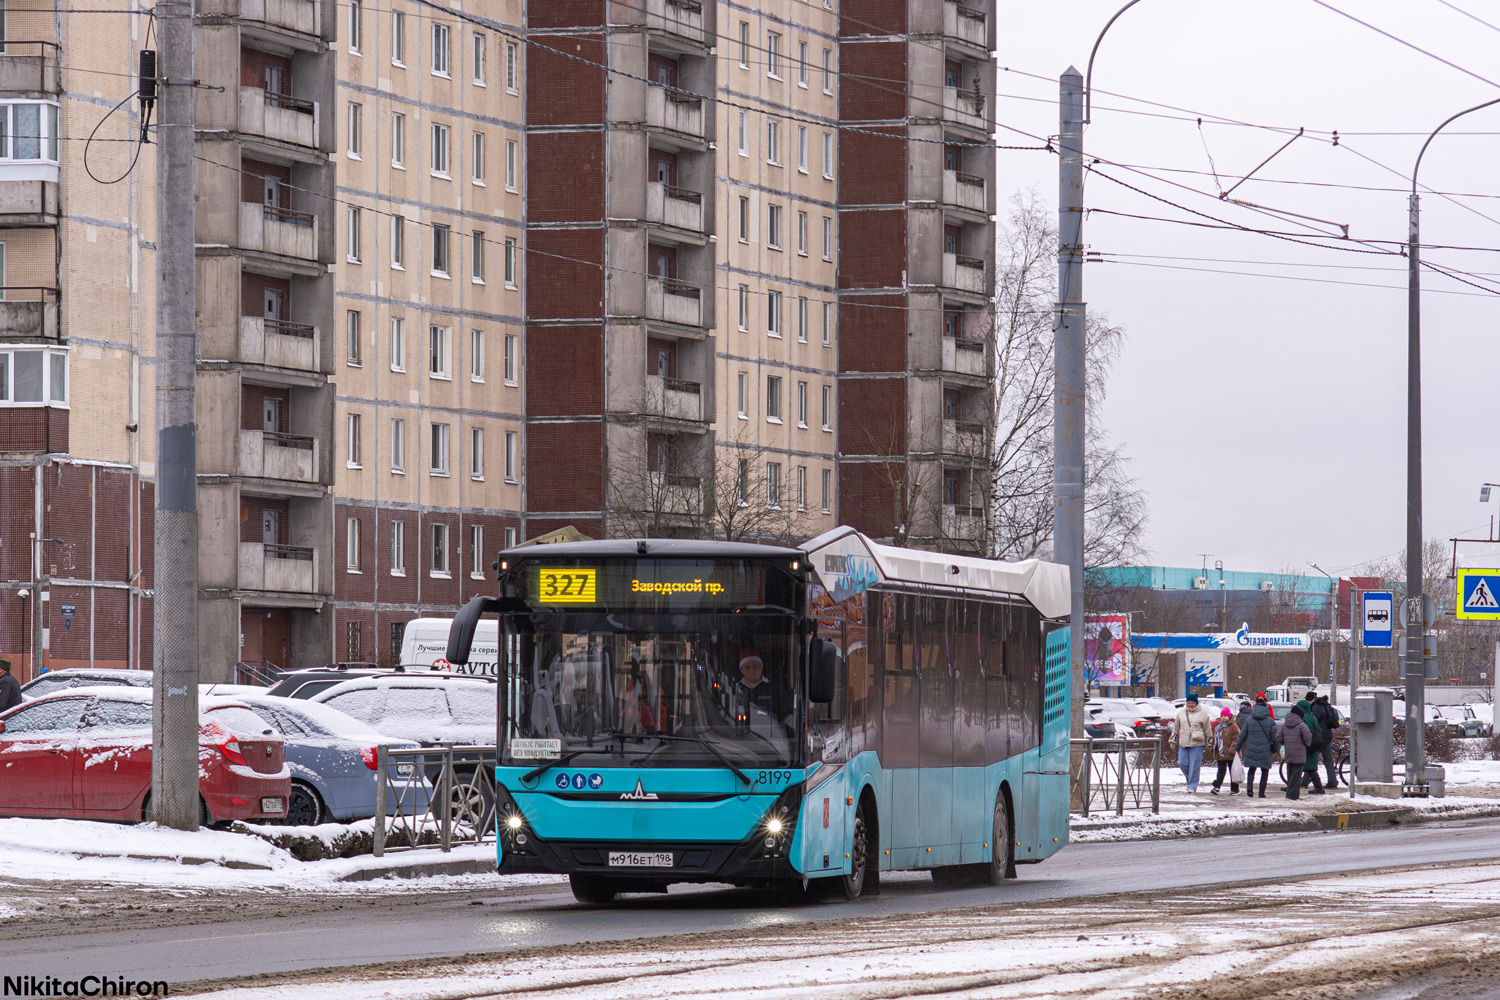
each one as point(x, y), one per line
point(408, 928)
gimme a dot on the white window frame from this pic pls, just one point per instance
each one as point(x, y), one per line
point(398, 242)
point(744, 218)
point(398, 140)
point(48, 140)
point(744, 45)
point(801, 233)
point(398, 446)
point(476, 552)
point(510, 262)
point(476, 454)
point(827, 71)
point(55, 365)
point(442, 236)
point(802, 53)
point(773, 227)
point(439, 556)
point(351, 234)
point(356, 27)
point(352, 527)
point(828, 408)
point(398, 343)
point(442, 53)
point(773, 142)
point(512, 456)
point(828, 237)
point(827, 490)
point(802, 487)
point(773, 399)
point(802, 149)
point(512, 67)
point(476, 356)
point(476, 158)
point(828, 324)
point(744, 132)
point(352, 130)
point(352, 352)
point(745, 307)
point(398, 38)
point(476, 256)
point(773, 313)
point(828, 155)
point(479, 46)
point(352, 442)
point(773, 55)
point(398, 548)
point(802, 404)
point(773, 485)
point(510, 165)
point(440, 439)
point(510, 359)
point(510, 538)
point(440, 151)
point(742, 387)
point(440, 352)
point(802, 319)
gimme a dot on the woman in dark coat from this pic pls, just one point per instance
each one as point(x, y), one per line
point(1297, 738)
point(1257, 746)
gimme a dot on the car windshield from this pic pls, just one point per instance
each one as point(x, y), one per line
point(723, 683)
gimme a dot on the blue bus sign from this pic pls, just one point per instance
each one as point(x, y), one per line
point(1378, 625)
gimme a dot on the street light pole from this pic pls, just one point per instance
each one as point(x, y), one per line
point(1333, 631)
point(1416, 603)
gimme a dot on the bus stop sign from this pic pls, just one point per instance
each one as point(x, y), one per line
point(1478, 594)
point(1379, 610)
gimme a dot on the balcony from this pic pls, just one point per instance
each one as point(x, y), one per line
point(673, 113)
point(28, 313)
point(29, 202)
point(300, 16)
point(963, 437)
point(274, 455)
point(965, 357)
point(29, 67)
point(674, 207)
point(964, 523)
point(279, 116)
point(963, 190)
point(681, 18)
point(272, 229)
point(279, 344)
point(673, 301)
point(964, 273)
point(674, 398)
point(291, 569)
point(965, 24)
point(673, 493)
point(962, 107)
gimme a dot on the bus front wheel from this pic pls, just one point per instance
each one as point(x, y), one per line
point(596, 890)
point(852, 886)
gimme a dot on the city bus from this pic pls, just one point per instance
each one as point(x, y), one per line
point(809, 718)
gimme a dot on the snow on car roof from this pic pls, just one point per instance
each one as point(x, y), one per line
point(402, 681)
point(324, 716)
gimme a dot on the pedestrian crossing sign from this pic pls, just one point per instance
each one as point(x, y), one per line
point(1478, 594)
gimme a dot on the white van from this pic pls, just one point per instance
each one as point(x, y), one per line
point(424, 646)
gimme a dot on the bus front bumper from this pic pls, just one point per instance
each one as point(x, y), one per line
point(746, 863)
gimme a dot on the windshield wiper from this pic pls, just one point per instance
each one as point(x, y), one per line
point(537, 772)
point(707, 746)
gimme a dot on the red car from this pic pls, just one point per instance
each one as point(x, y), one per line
point(86, 754)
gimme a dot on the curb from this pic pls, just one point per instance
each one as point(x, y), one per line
point(1360, 819)
point(396, 868)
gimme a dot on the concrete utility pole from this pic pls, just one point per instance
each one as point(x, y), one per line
point(174, 760)
point(1416, 665)
point(1068, 352)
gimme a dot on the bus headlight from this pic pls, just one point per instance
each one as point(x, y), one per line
point(773, 825)
point(515, 822)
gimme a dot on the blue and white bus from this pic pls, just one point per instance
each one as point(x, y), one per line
point(689, 711)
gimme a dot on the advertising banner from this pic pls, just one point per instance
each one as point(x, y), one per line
point(1106, 648)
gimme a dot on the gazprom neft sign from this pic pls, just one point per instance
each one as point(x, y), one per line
point(1243, 641)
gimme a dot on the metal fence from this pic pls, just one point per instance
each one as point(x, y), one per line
point(455, 804)
point(1116, 774)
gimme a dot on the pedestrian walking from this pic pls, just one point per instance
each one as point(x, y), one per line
point(1244, 713)
point(1320, 739)
point(10, 688)
point(1257, 746)
point(1328, 718)
point(1296, 738)
point(1226, 735)
point(1192, 732)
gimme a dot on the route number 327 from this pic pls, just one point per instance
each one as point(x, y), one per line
point(567, 586)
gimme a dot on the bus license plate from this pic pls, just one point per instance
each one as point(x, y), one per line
point(627, 859)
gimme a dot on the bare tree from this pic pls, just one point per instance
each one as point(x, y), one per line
point(747, 504)
point(1021, 486)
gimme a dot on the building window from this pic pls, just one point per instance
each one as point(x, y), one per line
point(802, 233)
point(351, 442)
point(28, 131)
point(30, 377)
point(398, 38)
point(801, 487)
point(744, 219)
point(440, 250)
point(510, 262)
point(351, 234)
point(773, 484)
point(351, 544)
point(773, 141)
point(479, 59)
point(476, 157)
point(773, 54)
point(801, 404)
point(744, 44)
point(476, 453)
point(398, 446)
point(476, 256)
point(398, 548)
point(802, 64)
point(476, 552)
point(744, 132)
point(828, 407)
point(437, 463)
point(773, 313)
point(773, 227)
point(351, 330)
point(398, 242)
point(398, 141)
point(827, 490)
point(356, 25)
point(512, 69)
point(510, 164)
point(827, 237)
point(439, 150)
point(828, 324)
point(802, 319)
point(398, 344)
point(510, 359)
point(476, 355)
point(354, 130)
point(802, 148)
point(440, 50)
point(511, 441)
point(439, 550)
point(744, 307)
point(438, 352)
point(827, 71)
point(828, 155)
point(742, 387)
point(773, 398)
point(742, 483)
point(510, 538)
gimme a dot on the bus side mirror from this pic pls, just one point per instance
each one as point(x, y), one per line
point(822, 674)
point(461, 632)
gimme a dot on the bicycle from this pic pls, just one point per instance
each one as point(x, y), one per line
point(1340, 748)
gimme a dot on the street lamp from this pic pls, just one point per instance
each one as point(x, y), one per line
point(1416, 601)
point(1333, 630)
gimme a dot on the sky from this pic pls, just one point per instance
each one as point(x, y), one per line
point(1266, 415)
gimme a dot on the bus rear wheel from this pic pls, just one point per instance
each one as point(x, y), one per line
point(1003, 837)
point(596, 890)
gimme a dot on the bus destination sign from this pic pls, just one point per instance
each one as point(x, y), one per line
point(659, 584)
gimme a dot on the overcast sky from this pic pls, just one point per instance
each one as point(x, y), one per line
point(1266, 415)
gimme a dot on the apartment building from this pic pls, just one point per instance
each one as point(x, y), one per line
point(428, 357)
point(778, 224)
point(916, 268)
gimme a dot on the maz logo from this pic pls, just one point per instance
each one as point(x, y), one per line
point(639, 795)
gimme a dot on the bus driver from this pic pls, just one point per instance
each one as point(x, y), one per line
point(756, 702)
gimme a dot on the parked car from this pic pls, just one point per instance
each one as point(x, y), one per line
point(85, 753)
point(1464, 716)
point(332, 758)
point(313, 680)
point(54, 681)
point(1099, 730)
point(431, 709)
point(1124, 713)
point(1436, 718)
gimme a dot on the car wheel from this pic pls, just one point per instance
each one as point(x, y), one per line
point(596, 890)
point(147, 815)
point(304, 806)
point(469, 801)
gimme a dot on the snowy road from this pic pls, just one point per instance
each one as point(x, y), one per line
point(258, 933)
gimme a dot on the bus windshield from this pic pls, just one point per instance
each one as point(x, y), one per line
point(725, 683)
